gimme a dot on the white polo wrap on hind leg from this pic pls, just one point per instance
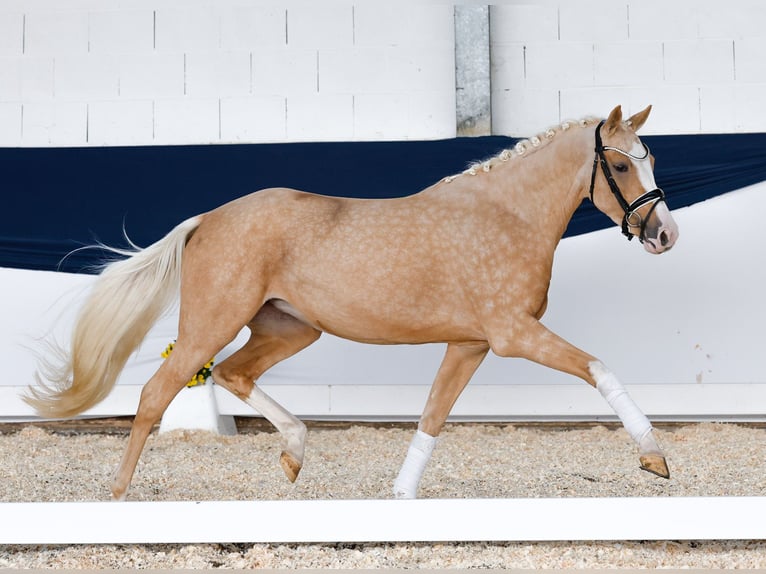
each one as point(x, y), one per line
point(418, 455)
point(635, 421)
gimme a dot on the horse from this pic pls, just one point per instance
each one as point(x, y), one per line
point(466, 262)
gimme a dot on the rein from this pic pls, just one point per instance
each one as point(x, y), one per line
point(631, 219)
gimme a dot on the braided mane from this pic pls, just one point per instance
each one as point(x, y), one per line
point(523, 147)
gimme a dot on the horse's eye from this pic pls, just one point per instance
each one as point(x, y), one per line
point(621, 167)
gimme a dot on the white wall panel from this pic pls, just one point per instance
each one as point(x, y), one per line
point(431, 115)
point(593, 21)
point(559, 64)
point(152, 75)
point(750, 60)
point(320, 25)
point(428, 69)
point(183, 120)
point(733, 108)
point(253, 119)
point(403, 24)
point(195, 29)
point(508, 66)
point(11, 34)
point(86, 77)
point(269, 66)
point(108, 54)
point(662, 20)
point(679, 56)
point(381, 24)
point(56, 32)
point(735, 19)
point(120, 122)
point(217, 74)
point(718, 113)
point(749, 106)
point(527, 22)
point(627, 64)
point(121, 32)
point(357, 70)
point(672, 106)
point(316, 117)
point(108, 50)
point(383, 116)
point(26, 78)
point(10, 123)
point(251, 28)
point(699, 62)
point(55, 123)
point(524, 111)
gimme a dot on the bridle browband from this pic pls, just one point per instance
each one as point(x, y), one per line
point(631, 219)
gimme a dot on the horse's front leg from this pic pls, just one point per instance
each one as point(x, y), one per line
point(633, 419)
point(542, 346)
point(458, 366)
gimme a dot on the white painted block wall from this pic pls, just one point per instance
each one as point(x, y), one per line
point(107, 72)
point(88, 72)
point(702, 64)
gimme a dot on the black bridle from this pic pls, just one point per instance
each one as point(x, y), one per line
point(631, 219)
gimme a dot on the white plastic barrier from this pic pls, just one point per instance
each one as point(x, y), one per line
point(433, 520)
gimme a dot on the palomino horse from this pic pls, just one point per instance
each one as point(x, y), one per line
point(466, 261)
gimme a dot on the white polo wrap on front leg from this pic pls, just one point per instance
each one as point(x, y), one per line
point(418, 455)
point(635, 421)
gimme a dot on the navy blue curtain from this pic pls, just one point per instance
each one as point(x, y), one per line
point(56, 200)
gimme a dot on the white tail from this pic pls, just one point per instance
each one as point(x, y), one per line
point(126, 300)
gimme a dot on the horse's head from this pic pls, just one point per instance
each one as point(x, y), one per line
point(622, 183)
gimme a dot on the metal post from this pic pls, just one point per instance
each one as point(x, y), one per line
point(472, 70)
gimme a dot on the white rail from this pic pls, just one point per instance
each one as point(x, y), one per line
point(429, 520)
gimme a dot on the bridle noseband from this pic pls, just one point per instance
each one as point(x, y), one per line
point(631, 219)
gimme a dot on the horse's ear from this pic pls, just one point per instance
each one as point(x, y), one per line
point(637, 120)
point(614, 120)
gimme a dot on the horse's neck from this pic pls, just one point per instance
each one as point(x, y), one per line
point(546, 186)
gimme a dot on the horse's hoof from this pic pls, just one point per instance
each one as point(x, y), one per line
point(290, 465)
point(655, 463)
point(119, 493)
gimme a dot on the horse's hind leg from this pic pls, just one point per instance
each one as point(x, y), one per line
point(274, 336)
point(156, 395)
point(458, 366)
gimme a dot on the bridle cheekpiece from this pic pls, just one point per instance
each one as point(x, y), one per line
point(631, 219)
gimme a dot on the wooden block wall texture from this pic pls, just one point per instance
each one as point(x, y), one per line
point(701, 64)
point(88, 72)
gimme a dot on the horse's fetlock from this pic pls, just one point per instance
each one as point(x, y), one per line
point(296, 436)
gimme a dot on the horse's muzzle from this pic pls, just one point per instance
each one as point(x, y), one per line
point(661, 231)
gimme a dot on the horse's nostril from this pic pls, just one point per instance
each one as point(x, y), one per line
point(664, 239)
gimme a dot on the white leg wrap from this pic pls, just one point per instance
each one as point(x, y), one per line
point(421, 447)
point(290, 427)
point(635, 421)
